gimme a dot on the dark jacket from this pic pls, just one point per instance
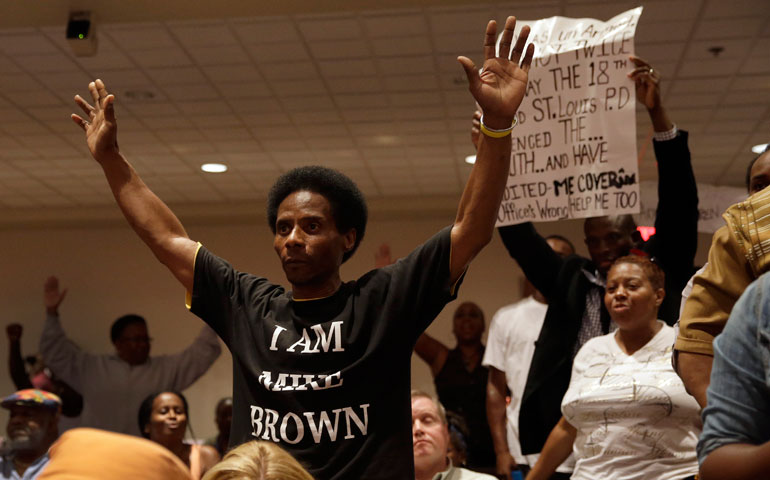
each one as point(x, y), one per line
point(564, 284)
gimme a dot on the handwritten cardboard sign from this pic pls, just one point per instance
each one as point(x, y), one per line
point(573, 151)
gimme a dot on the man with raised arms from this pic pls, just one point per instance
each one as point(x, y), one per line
point(324, 369)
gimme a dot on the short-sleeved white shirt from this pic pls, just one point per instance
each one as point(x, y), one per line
point(510, 347)
point(633, 417)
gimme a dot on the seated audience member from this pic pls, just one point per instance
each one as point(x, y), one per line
point(735, 443)
point(164, 419)
point(323, 348)
point(42, 378)
point(510, 346)
point(626, 413)
point(223, 417)
point(258, 461)
point(737, 257)
point(574, 286)
point(430, 442)
point(90, 454)
point(32, 429)
point(113, 386)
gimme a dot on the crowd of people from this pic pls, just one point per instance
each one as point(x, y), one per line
point(596, 373)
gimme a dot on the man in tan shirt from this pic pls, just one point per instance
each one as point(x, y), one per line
point(740, 252)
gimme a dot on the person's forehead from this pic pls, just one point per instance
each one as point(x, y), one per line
point(422, 406)
point(468, 308)
point(133, 329)
point(628, 270)
point(306, 202)
point(762, 166)
point(30, 411)
point(602, 226)
point(167, 399)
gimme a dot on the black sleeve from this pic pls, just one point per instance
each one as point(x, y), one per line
point(540, 264)
point(219, 289)
point(418, 285)
point(16, 367)
point(676, 219)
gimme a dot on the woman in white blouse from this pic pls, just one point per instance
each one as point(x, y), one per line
point(626, 414)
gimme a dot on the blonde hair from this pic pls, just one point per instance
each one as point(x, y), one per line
point(257, 461)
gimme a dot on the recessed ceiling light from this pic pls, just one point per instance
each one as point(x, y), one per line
point(214, 167)
point(759, 148)
point(470, 159)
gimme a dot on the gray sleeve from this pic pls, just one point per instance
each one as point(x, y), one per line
point(65, 359)
point(738, 395)
point(191, 363)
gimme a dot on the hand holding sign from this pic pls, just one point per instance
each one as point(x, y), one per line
point(647, 81)
point(500, 87)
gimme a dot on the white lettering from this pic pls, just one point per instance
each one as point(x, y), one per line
point(298, 424)
point(335, 332)
point(362, 426)
point(300, 381)
point(256, 420)
point(276, 334)
point(304, 341)
point(321, 339)
point(271, 418)
point(317, 431)
point(264, 379)
point(264, 422)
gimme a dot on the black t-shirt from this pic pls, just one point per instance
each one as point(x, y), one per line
point(329, 379)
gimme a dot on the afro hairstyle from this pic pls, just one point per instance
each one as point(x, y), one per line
point(348, 206)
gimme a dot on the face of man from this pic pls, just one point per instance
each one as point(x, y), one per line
point(133, 345)
point(308, 243)
point(607, 241)
point(430, 437)
point(468, 323)
point(31, 429)
point(760, 174)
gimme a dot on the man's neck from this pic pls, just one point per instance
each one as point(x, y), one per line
point(314, 292)
point(22, 460)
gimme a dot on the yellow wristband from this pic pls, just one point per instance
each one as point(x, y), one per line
point(490, 132)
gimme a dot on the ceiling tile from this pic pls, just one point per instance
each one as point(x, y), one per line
point(392, 25)
point(734, 8)
point(232, 73)
point(233, 55)
point(292, 71)
point(339, 50)
point(269, 30)
point(161, 57)
point(728, 28)
point(196, 34)
point(411, 83)
point(407, 65)
point(399, 46)
point(319, 29)
point(460, 20)
point(133, 38)
point(266, 54)
point(346, 68)
point(176, 76)
point(26, 44)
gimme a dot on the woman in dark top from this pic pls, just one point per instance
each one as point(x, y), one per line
point(461, 380)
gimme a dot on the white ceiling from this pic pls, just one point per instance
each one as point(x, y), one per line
point(375, 93)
